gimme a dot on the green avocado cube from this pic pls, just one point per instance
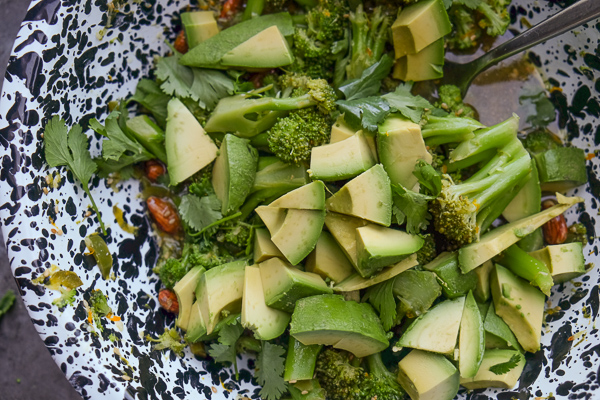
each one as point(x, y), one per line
point(565, 261)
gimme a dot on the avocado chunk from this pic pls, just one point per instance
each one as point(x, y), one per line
point(307, 197)
point(185, 290)
point(368, 196)
point(497, 333)
point(283, 285)
point(233, 172)
point(561, 169)
point(189, 148)
point(343, 230)
point(425, 333)
point(341, 131)
point(266, 49)
point(486, 378)
point(341, 160)
point(299, 233)
point(332, 321)
point(328, 259)
point(220, 289)
point(419, 25)
point(199, 26)
point(482, 287)
point(471, 341)
point(267, 323)
point(210, 52)
point(356, 282)
point(378, 247)
point(264, 248)
point(565, 261)
point(416, 290)
point(308, 389)
point(520, 305)
point(400, 145)
point(428, 376)
point(425, 65)
point(196, 328)
point(454, 282)
point(300, 360)
point(499, 239)
point(273, 217)
point(273, 174)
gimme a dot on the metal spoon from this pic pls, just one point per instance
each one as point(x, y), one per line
point(579, 13)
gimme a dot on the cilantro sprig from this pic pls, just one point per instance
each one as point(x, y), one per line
point(270, 364)
point(381, 297)
point(503, 368)
point(69, 148)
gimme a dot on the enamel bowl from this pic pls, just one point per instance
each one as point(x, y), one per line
point(67, 62)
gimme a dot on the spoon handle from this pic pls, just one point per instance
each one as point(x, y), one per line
point(563, 21)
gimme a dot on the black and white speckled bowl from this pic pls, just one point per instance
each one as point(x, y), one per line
point(61, 65)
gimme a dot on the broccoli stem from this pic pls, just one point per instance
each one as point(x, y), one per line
point(489, 138)
point(254, 8)
point(378, 368)
point(489, 214)
point(513, 149)
point(527, 267)
point(467, 162)
point(443, 130)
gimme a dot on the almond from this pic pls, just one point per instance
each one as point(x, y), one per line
point(181, 43)
point(154, 169)
point(168, 300)
point(164, 213)
point(555, 231)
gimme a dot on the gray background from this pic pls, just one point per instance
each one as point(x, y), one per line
point(23, 356)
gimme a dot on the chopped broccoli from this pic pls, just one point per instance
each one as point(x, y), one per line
point(293, 137)
point(428, 252)
point(380, 382)
point(494, 17)
point(471, 22)
point(465, 31)
point(67, 297)
point(577, 233)
point(202, 182)
point(540, 141)
point(98, 308)
point(451, 100)
point(172, 272)
point(170, 340)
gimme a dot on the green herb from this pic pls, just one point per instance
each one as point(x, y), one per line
point(269, 371)
point(370, 81)
point(409, 105)
point(381, 296)
point(504, 367)
point(6, 302)
point(225, 350)
point(67, 297)
point(70, 149)
point(200, 212)
point(149, 95)
point(429, 179)
point(364, 113)
point(170, 340)
point(538, 107)
point(412, 207)
point(118, 143)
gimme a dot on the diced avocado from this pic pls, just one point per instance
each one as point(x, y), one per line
point(283, 285)
point(328, 259)
point(308, 389)
point(273, 174)
point(300, 360)
point(233, 172)
point(416, 290)
point(499, 239)
point(400, 145)
point(482, 287)
point(196, 328)
point(486, 378)
point(332, 321)
point(428, 376)
point(425, 65)
point(189, 148)
point(185, 290)
point(368, 196)
point(527, 267)
point(378, 247)
point(425, 333)
point(266, 49)
point(220, 289)
point(299, 233)
point(341, 160)
point(307, 197)
point(561, 169)
point(565, 261)
point(199, 26)
point(343, 230)
point(497, 333)
point(356, 282)
point(150, 135)
point(419, 25)
point(267, 323)
point(273, 217)
point(264, 248)
point(454, 282)
point(520, 305)
point(210, 52)
point(471, 341)
point(341, 131)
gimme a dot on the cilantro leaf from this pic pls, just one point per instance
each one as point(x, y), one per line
point(381, 296)
point(149, 95)
point(428, 177)
point(504, 367)
point(225, 350)
point(414, 207)
point(118, 142)
point(538, 107)
point(364, 113)
point(205, 86)
point(6, 302)
point(200, 212)
point(70, 149)
point(269, 371)
point(409, 105)
point(370, 81)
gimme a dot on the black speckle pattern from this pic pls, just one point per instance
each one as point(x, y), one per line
point(61, 65)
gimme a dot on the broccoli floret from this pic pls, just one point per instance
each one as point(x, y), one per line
point(428, 252)
point(341, 379)
point(293, 137)
point(495, 18)
point(170, 339)
point(465, 32)
point(369, 37)
point(380, 382)
point(98, 308)
point(540, 141)
point(172, 272)
point(248, 115)
point(490, 17)
point(67, 297)
point(237, 236)
point(202, 182)
point(451, 100)
point(577, 233)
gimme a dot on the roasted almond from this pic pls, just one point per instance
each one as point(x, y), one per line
point(181, 44)
point(168, 300)
point(164, 214)
point(154, 169)
point(556, 230)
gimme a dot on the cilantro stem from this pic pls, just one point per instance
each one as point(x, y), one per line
point(216, 223)
point(95, 207)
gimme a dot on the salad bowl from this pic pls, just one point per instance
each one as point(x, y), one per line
point(71, 58)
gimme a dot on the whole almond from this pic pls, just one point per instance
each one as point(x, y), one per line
point(168, 300)
point(181, 44)
point(164, 213)
point(556, 230)
point(154, 170)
